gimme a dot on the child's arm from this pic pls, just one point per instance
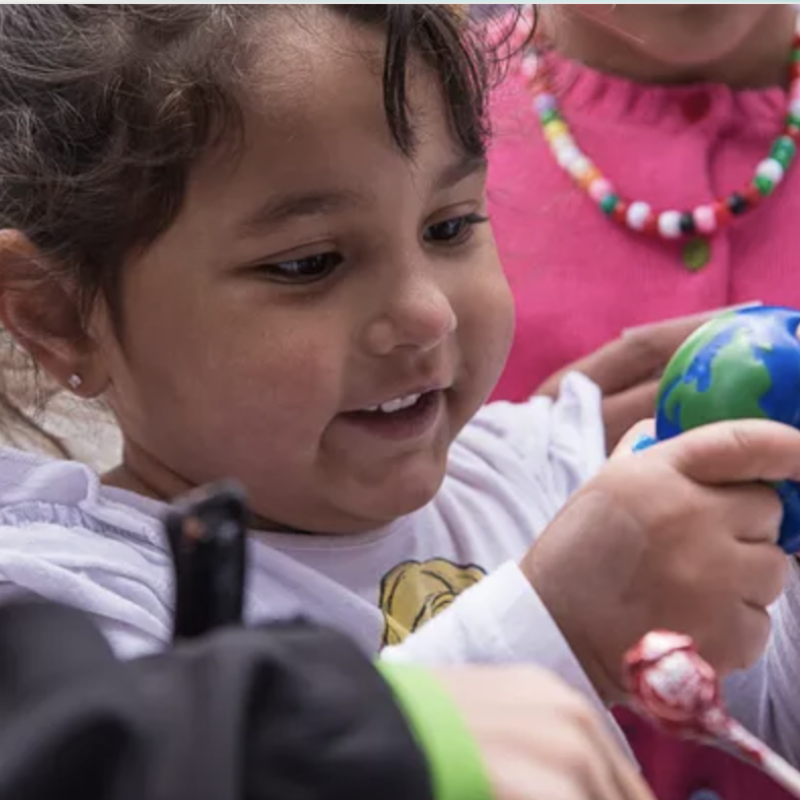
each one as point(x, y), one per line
point(681, 537)
point(546, 449)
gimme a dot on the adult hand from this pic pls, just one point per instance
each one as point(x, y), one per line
point(628, 370)
point(539, 738)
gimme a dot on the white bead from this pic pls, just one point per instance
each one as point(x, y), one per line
point(580, 166)
point(705, 220)
point(771, 170)
point(669, 224)
point(794, 107)
point(638, 213)
point(563, 142)
point(566, 155)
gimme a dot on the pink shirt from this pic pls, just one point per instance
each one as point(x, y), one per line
point(579, 278)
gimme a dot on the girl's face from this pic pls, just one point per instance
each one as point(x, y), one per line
point(326, 314)
point(691, 41)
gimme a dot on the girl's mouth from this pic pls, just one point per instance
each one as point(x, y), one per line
point(408, 417)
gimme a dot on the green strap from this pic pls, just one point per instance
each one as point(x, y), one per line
point(456, 766)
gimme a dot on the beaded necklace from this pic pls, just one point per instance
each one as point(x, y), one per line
point(692, 228)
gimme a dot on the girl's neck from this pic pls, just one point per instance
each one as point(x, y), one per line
point(759, 62)
point(141, 474)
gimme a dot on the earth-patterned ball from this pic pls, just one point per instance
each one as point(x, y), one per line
point(743, 364)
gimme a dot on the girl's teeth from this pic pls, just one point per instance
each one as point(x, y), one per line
point(393, 406)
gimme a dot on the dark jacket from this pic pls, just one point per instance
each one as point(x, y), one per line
point(285, 713)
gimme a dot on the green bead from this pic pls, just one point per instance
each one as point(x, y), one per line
point(784, 143)
point(609, 203)
point(793, 120)
point(795, 55)
point(784, 151)
point(764, 185)
point(783, 157)
point(548, 116)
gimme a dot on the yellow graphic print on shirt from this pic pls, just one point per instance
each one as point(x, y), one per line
point(415, 592)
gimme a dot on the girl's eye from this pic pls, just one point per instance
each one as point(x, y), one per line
point(455, 230)
point(303, 270)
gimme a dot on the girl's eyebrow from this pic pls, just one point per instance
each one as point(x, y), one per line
point(279, 210)
point(459, 170)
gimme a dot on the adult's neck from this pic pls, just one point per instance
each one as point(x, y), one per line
point(760, 60)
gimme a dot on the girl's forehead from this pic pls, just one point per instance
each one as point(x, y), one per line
point(319, 144)
point(329, 111)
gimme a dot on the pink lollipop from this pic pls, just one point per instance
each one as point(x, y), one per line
point(671, 684)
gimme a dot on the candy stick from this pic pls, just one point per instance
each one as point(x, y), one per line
point(207, 533)
point(671, 684)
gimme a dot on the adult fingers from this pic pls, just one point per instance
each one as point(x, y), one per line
point(639, 355)
point(625, 409)
point(617, 777)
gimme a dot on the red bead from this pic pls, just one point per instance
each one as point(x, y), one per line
point(794, 71)
point(722, 213)
point(620, 213)
point(650, 226)
point(752, 195)
point(793, 133)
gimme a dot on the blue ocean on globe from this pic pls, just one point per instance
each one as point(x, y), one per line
point(743, 364)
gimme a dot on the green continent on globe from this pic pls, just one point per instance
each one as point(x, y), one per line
point(735, 378)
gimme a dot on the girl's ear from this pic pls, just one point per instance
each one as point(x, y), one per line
point(41, 313)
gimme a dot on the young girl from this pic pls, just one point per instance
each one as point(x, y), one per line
point(259, 233)
point(645, 111)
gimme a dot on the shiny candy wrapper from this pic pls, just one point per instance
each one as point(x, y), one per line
point(673, 685)
point(670, 683)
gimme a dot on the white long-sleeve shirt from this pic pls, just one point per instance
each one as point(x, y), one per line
point(446, 574)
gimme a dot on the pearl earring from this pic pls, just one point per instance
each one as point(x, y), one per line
point(75, 381)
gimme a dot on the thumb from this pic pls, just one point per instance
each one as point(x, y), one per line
point(741, 451)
